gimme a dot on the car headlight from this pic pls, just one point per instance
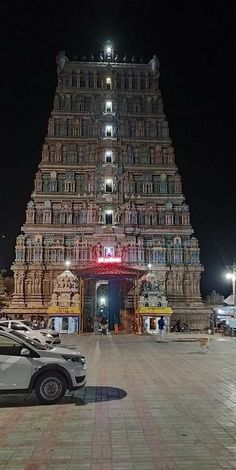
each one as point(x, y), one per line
point(75, 358)
point(48, 335)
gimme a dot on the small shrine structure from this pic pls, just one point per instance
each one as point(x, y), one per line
point(152, 304)
point(65, 308)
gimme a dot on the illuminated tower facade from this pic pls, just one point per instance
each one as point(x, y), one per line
point(108, 187)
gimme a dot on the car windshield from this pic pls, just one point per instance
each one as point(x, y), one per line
point(33, 326)
point(30, 341)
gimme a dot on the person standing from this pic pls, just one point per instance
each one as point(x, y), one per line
point(178, 326)
point(104, 323)
point(161, 327)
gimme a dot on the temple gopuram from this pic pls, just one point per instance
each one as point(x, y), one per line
point(108, 201)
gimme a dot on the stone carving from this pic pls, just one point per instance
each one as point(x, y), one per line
point(155, 64)
point(54, 300)
point(177, 242)
point(163, 177)
point(98, 250)
point(118, 250)
point(61, 61)
point(45, 153)
point(75, 300)
point(194, 242)
point(38, 181)
point(47, 204)
point(100, 216)
point(20, 241)
point(30, 213)
point(117, 215)
point(30, 205)
point(66, 290)
point(151, 292)
point(169, 206)
point(215, 298)
point(51, 126)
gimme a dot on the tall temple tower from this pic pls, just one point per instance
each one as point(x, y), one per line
point(108, 189)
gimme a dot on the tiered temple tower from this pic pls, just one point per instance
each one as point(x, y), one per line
point(108, 186)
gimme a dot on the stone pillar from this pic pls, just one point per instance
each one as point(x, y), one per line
point(186, 285)
point(35, 296)
point(18, 298)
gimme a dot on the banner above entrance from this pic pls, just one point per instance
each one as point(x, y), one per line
point(155, 311)
point(67, 310)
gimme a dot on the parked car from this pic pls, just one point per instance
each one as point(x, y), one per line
point(27, 366)
point(44, 336)
point(49, 347)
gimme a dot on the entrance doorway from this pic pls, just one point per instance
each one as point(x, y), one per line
point(65, 324)
point(103, 298)
point(108, 301)
point(109, 289)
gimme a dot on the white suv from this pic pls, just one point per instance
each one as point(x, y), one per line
point(26, 365)
point(44, 336)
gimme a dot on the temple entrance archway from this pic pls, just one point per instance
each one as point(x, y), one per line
point(102, 302)
point(108, 290)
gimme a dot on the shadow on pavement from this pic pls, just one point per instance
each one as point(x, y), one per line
point(89, 394)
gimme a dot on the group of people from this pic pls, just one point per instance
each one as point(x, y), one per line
point(100, 325)
point(40, 322)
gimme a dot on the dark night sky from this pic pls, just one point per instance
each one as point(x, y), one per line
point(195, 44)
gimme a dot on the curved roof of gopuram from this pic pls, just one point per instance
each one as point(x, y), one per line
point(109, 269)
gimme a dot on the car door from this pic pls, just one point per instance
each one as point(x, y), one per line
point(15, 370)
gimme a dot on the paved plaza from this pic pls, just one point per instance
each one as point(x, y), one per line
point(146, 406)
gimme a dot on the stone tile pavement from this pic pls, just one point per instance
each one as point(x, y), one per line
point(146, 406)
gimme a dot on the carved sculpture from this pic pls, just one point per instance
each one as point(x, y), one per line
point(61, 61)
point(155, 64)
point(66, 290)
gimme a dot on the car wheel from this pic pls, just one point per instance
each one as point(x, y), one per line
point(51, 387)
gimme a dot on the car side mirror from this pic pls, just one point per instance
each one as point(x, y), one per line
point(25, 352)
